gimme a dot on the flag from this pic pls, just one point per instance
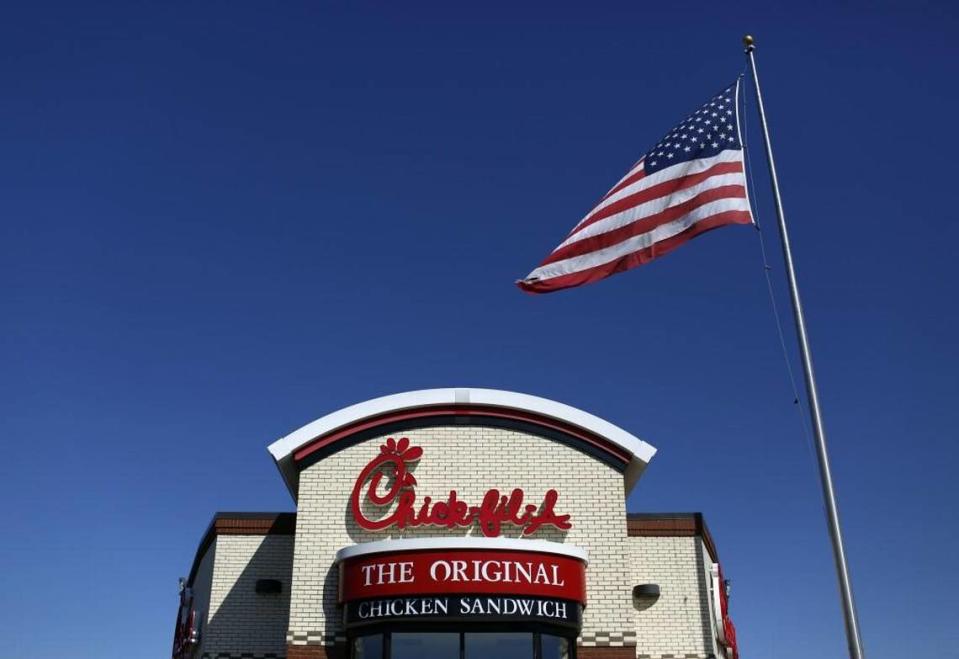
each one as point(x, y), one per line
point(690, 182)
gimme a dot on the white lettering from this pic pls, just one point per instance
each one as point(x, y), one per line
point(526, 572)
point(496, 576)
point(472, 606)
point(406, 572)
point(434, 570)
point(561, 610)
point(556, 579)
point(386, 573)
point(541, 574)
point(367, 571)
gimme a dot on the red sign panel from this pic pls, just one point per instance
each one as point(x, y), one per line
point(477, 571)
point(495, 509)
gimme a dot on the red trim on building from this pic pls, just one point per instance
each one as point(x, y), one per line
point(465, 411)
point(671, 525)
point(241, 524)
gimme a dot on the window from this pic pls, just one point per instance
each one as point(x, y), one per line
point(423, 645)
point(470, 645)
point(368, 647)
point(500, 646)
point(554, 647)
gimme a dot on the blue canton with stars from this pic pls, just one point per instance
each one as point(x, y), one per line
point(712, 128)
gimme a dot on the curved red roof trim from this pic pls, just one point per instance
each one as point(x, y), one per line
point(462, 410)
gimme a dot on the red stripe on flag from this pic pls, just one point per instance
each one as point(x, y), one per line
point(663, 189)
point(642, 225)
point(636, 258)
point(629, 180)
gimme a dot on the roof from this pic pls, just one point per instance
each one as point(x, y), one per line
point(558, 417)
point(656, 525)
point(241, 524)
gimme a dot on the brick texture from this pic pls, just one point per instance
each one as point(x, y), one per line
point(240, 620)
point(316, 652)
point(678, 623)
point(605, 653)
point(470, 459)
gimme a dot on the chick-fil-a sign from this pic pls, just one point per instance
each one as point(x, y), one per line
point(493, 511)
point(478, 571)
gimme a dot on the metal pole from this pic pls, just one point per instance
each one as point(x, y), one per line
point(832, 510)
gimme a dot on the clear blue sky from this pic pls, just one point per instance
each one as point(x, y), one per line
point(222, 220)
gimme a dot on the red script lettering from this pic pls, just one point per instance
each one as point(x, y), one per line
point(495, 509)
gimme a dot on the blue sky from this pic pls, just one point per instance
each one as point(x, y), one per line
point(222, 220)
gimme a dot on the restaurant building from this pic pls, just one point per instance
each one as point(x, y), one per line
point(456, 523)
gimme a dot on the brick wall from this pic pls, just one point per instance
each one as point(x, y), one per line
point(317, 652)
point(605, 653)
point(677, 624)
point(241, 621)
point(470, 459)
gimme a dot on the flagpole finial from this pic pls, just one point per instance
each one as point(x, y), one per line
point(749, 43)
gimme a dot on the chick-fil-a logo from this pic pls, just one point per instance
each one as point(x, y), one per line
point(495, 509)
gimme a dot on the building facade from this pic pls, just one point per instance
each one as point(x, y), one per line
point(456, 523)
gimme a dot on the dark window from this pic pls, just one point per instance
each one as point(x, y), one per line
point(469, 645)
point(422, 645)
point(499, 646)
point(368, 647)
point(554, 647)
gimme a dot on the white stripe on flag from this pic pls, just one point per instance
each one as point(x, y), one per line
point(652, 207)
point(667, 174)
point(636, 243)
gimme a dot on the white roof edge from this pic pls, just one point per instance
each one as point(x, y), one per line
point(467, 542)
point(285, 446)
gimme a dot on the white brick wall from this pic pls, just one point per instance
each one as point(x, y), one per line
point(471, 460)
point(677, 623)
point(239, 619)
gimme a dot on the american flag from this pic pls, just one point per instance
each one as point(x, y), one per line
point(690, 182)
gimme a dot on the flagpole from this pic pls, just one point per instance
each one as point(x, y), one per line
point(825, 475)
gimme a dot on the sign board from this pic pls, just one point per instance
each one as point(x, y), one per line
point(475, 571)
point(463, 608)
point(494, 510)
